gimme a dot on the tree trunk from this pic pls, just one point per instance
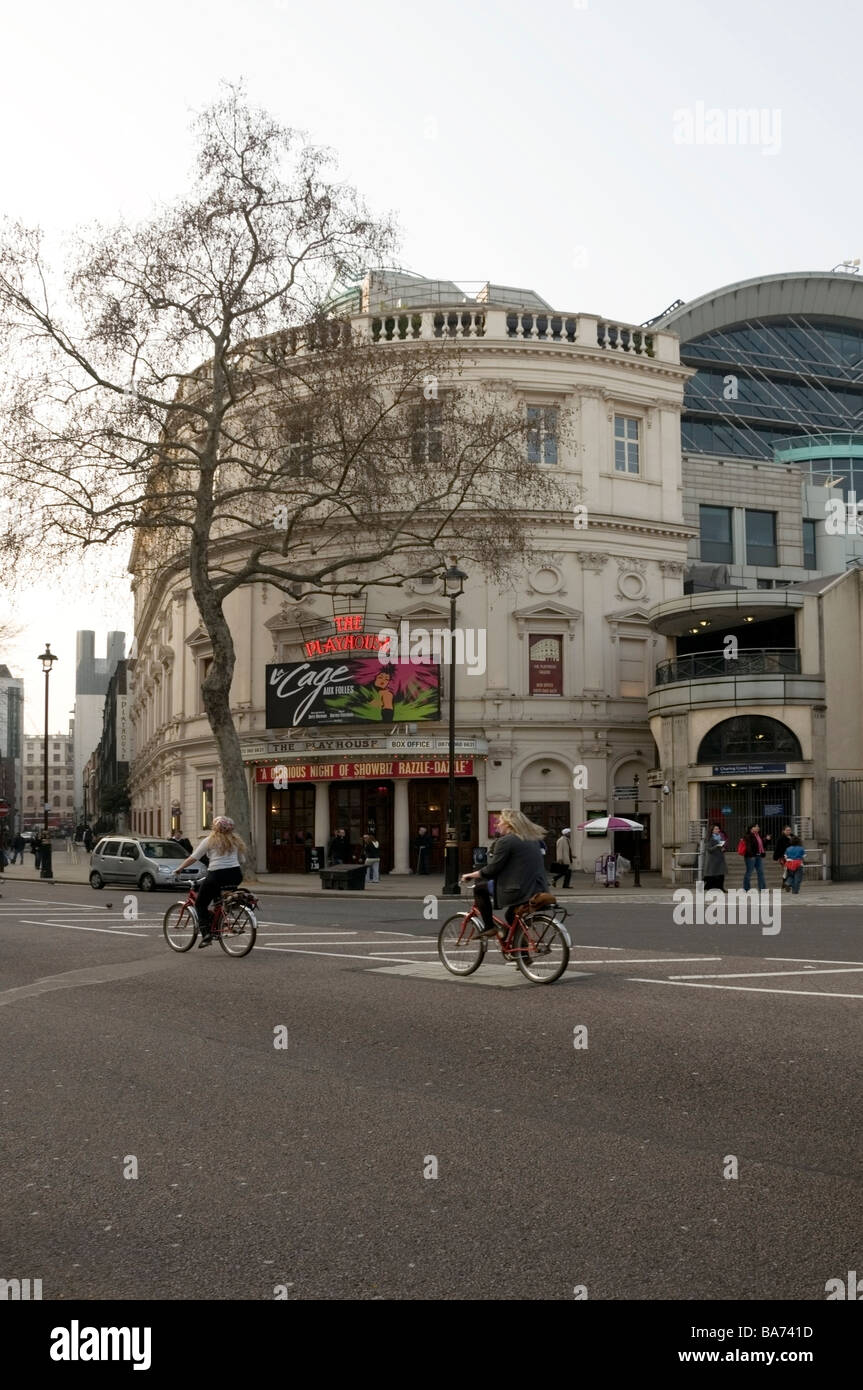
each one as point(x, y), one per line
point(216, 690)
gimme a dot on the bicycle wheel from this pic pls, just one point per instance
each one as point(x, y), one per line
point(180, 925)
point(541, 949)
point(460, 946)
point(237, 930)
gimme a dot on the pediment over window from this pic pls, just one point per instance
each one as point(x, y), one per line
point(424, 613)
point(638, 616)
point(542, 616)
point(199, 640)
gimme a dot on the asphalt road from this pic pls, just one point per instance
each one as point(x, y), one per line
point(301, 1168)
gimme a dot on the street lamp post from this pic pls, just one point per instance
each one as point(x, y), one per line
point(47, 659)
point(454, 588)
point(636, 867)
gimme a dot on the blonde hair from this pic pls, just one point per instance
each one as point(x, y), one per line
point(223, 841)
point(518, 824)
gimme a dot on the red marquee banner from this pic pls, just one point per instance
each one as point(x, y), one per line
point(348, 771)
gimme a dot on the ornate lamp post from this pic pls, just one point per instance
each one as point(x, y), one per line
point(454, 579)
point(47, 659)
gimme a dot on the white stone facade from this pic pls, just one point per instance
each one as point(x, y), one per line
point(590, 589)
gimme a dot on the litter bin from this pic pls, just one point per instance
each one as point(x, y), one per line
point(351, 876)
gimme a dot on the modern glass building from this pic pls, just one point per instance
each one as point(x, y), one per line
point(772, 441)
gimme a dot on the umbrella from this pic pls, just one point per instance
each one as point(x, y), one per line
point(605, 823)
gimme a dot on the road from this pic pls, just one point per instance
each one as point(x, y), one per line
point(159, 1144)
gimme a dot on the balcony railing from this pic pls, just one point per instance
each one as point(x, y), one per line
point(753, 661)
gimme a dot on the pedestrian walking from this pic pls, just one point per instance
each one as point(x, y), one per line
point(752, 848)
point(19, 844)
point(372, 859)
point(87, 838)
point(794, 857)
point(182, 843)
point(715, 867)
point(779, 851)
point(562, 867)
point(424, 846)
point(36, 846)
point(339, 848)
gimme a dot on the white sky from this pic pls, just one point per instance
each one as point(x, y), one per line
point(528, 144)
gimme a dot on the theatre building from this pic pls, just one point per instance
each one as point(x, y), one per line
point(551, 689)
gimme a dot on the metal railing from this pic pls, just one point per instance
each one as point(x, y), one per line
point(753, 661)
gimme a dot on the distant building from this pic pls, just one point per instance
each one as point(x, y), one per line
point(11, 725)
point(106, 775)
point(61, 783)
point(92, 675)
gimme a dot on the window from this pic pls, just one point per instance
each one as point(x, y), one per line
point(545, 665)
point(632, 664)
point(69, 784)
point(748, 736)
point(29, 786)
point(809, 560)
point(204, 664)
point(542, 431)
point(206, 803)
point(129, 851)
point(108, 847)
point(70, 801)
point(56, 801)
point(56, 757)
point(626, 444)
point(299, 453)
point(760, 538)
point(56, 786)
point(29, 757)
point(427, 433)
point(717, 547)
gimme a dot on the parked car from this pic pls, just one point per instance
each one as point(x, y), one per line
point(141, 861)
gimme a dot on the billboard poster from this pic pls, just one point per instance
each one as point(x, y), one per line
point(355, 690)
point(545, 655)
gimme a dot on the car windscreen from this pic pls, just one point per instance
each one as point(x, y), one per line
point(162, 849)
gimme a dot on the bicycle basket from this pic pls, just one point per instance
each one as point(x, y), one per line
point(240, 896)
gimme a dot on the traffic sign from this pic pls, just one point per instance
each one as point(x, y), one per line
point(4, 811)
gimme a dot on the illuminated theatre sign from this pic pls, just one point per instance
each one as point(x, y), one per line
point(349, 637)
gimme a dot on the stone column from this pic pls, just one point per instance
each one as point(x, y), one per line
point(401, 829)
point(322, 813)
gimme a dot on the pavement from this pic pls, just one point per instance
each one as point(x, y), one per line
point(408, 887)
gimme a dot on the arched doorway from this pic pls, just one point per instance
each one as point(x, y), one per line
point(748, 756)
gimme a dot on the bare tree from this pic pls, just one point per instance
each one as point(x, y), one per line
point(190, 392)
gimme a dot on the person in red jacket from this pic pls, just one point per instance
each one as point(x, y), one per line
point(753, 857)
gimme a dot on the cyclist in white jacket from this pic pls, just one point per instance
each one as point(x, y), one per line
point(225, 850)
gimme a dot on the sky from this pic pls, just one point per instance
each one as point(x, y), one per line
point(586, 149)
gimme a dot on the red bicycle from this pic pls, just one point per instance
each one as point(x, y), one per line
point(536, 941)
point(233, 921)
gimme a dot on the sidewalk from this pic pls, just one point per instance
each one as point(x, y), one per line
point(410, 887)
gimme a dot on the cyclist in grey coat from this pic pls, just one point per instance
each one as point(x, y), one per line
point(515, 864)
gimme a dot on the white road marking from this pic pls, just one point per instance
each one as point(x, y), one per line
point(749, 989)
point(67, 926)
point(791, 960)
point(295, 950)
point(770, 974)
point(658, 960)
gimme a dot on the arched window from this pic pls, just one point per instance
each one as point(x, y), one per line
point(753, 737)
